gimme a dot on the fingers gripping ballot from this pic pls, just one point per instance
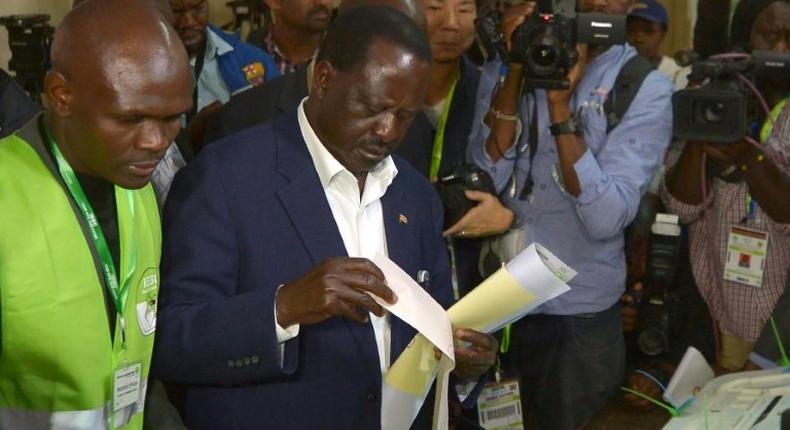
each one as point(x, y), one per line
point(336, 287)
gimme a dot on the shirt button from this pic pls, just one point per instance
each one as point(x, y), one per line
point(551, 150)
point(529, 220)
point(542, 186)
point(370, 396)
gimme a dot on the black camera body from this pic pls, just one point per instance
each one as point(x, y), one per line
point(29, 37)
point(722, 108)
point(546, 42)
point(452, 189)
point(659, 305)
point(545, 45)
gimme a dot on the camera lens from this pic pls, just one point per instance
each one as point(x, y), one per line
point(652, 341)
point(714, 112)
point(544, 56)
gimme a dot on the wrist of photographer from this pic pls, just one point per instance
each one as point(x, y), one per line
point(488, 218)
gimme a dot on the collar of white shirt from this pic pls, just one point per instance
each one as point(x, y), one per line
point(330, 170)
point(215, 45)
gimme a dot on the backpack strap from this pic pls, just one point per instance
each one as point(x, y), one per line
point(626, 85)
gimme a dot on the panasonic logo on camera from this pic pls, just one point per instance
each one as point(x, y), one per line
point(601, 24)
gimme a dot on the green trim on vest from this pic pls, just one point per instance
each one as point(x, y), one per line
point(56, 352)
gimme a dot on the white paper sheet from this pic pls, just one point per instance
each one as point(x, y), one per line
point(692, 373)
point(529, 280)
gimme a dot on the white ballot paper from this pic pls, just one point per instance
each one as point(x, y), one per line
point(692, 374)
point(529, 280)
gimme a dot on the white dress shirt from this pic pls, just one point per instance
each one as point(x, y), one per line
point(359, 220)
point(211, 86)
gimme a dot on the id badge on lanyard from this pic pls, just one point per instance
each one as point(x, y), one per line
point(746, 251)
point(127, 377)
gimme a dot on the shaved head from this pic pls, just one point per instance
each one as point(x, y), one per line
point(161, 5)
point(120, 79)
point(412, 8)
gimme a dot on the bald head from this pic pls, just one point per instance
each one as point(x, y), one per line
point(412, 8)
point(103, 31)
point(160, 5)
point(120, 79)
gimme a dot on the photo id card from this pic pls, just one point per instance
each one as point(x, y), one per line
point(746, 252)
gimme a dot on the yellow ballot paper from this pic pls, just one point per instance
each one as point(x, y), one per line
point(529, 280)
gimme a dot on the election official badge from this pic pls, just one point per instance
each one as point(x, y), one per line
point(147, 293)
point(255, 73)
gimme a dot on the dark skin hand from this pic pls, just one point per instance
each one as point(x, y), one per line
point(338, 286)
point(769, 186)
point(629, 312)
point(473, 360)
point(342, 286)
point(569, 148)
point(641, 383)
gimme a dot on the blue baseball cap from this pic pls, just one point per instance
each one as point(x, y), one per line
point(650, 10)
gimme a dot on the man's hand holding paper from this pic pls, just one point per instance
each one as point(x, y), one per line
point(532, 278)
point(338, 286)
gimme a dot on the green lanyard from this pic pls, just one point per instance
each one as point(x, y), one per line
point(438, 140)
point(768, 125)
point(118, 292)
point(765, 134)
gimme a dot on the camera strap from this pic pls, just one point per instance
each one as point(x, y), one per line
point(626, 85)
point(532, 140)
point(438, 139)
point(199, 60)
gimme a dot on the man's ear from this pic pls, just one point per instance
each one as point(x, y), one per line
point(58, 92)
point(323, 73)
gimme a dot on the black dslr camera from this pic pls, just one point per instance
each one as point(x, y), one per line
point(723, 106)
point(659, 305)
point(546, 43)
point(29, 37)
point(452, 190)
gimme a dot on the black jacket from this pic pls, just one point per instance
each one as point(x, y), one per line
point(16, 107)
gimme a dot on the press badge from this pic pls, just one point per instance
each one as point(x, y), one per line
point(126, 387)
point(746, 251)
point(499, 406)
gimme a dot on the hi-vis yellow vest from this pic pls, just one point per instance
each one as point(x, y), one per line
point(57, 358)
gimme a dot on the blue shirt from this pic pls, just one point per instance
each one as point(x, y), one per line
point(586, 232)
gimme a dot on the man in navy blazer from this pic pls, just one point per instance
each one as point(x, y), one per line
point(264, 317)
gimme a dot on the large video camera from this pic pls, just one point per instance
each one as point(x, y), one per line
point(659, 305)
point(29, 37)
point(546, 42)
point(726, 101)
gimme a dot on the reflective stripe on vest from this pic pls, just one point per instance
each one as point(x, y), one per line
point(95, 419)
point(56, 353)
point(68, 420)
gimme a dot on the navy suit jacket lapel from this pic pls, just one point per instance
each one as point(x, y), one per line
point(401, 247)
point(304, 200)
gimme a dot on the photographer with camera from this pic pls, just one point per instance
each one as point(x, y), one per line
point(734, 194)
point(573, 170)
point(16, 107)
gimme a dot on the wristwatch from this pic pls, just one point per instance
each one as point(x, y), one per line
point(569, 126)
